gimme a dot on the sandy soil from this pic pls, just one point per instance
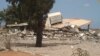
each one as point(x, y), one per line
point(14, 53)
point(57, 47)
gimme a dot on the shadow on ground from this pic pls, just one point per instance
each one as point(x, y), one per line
point(44, 44)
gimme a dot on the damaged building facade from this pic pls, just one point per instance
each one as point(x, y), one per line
point(56, 20)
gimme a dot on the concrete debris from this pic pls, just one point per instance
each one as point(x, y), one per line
point(72, 28)
point(92, 31)
point(71, 31)
point(72, 46)
point(84, 38)
point(81, 34)
point(98, 34)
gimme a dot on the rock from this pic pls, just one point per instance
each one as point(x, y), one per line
point(81, 34)
point(80, 52)
point(72, 26)
point(72, 46)
point(45, 37)
point(98, 34)
point(84, 38)
point(74, 30)
point(92, 32)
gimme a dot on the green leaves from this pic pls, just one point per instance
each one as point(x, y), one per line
point(34, 12)
point(30, 9)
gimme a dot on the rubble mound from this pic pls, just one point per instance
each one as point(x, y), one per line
point(80, 52)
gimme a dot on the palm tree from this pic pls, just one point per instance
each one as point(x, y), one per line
point(33, 11)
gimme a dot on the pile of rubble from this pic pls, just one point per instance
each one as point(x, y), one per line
point(80, 52)
point(73, 33)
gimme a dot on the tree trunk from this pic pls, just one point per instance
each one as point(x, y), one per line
point(39, 38)
point(39, 33)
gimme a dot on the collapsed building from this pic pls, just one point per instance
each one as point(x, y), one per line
point(56, 20)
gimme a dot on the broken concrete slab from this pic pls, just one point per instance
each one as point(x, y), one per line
point(56, 20)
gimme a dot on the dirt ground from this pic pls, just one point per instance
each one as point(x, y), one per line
point(57, 47)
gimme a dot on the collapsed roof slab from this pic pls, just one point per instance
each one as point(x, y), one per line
point(77, 22)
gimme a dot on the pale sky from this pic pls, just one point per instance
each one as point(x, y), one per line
point(86, 9)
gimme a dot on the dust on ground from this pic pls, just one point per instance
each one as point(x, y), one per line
point(57, 47)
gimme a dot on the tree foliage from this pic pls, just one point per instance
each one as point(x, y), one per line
point(1, 14)
point(32, 11)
